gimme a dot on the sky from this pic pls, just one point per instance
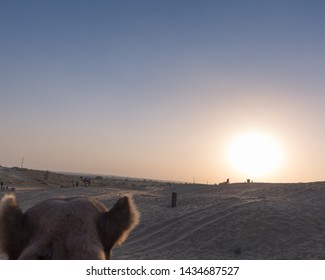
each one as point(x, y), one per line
point(160, 89)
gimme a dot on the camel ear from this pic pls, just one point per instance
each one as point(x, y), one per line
point(116, 224)
point(13, 236)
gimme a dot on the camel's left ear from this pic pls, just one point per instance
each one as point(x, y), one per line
point(14, 234)
point(115, 225)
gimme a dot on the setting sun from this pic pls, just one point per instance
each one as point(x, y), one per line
point(255, 155)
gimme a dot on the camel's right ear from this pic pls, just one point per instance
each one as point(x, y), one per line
point(116, 224)
point(13, 234)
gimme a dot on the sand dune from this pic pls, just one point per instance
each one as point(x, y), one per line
point(235, 221)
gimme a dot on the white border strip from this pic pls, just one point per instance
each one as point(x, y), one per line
point(165, 269)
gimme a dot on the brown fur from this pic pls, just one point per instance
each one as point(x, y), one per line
point(65, 228)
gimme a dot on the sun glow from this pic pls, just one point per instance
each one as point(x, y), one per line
point(255, 155)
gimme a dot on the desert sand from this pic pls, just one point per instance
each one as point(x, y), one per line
point(226, 221)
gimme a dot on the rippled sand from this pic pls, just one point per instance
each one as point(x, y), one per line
point(235, 221)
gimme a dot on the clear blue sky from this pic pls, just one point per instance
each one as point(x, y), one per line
point(158, 89)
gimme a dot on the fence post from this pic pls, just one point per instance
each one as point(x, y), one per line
point(174, 199)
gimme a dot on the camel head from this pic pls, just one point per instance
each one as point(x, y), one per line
point(65, 228)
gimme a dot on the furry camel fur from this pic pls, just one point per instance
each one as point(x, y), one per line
point(65, 228)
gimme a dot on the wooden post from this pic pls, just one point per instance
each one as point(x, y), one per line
point(174, 199)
